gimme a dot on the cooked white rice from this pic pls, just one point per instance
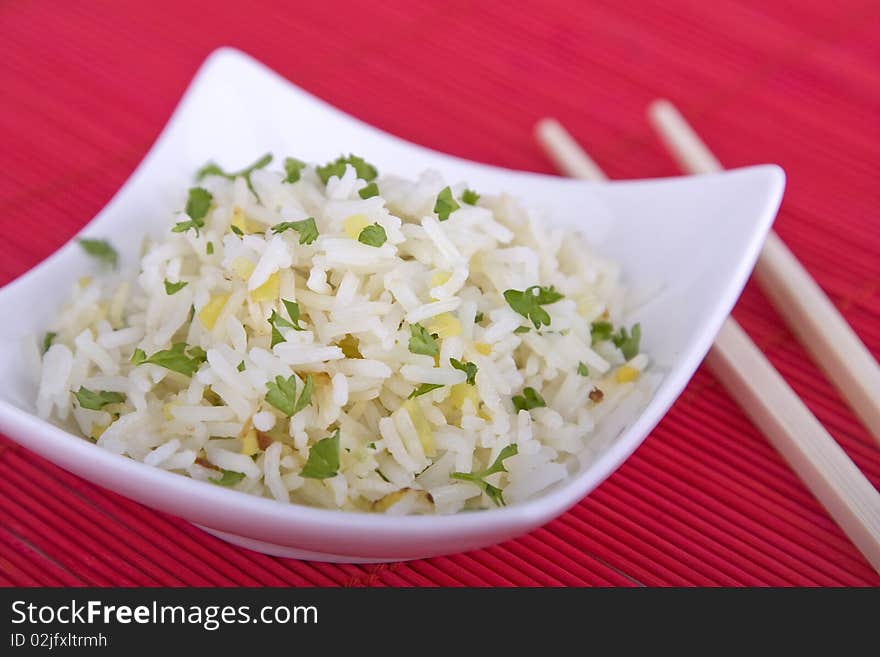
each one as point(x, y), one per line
point(357, 303)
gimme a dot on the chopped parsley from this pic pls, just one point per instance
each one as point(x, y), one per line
point(600, 332)
point(371, 190)
point(100, 250)
point(175, 359)
point(528, 303)
point(373, 235)
point(628, 343)
point(323, 461)
point(307, 229)
point(173, 288)
point(582, 369)
point(363, 169)
point(198, 204)
point(238, 231)
point(96, 400)
point(277, 321)
point(479, 478)
point(240, 367)
point(470, 197)
point(293, 168)
point(445, 204)
point(282, 394)
point(479, 317)
point(212, 169)
point(470, 369)
point(209, 248)
point(424, 389)
point(528, 400)
point(521, 329)
point(229, 478)
point(48, 339)
point(422, 342)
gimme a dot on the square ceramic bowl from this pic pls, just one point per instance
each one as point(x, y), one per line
point(693, 240)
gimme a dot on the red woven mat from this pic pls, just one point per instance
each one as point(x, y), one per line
point(86, 87)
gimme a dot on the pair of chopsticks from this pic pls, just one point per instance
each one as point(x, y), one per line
point(745, 371)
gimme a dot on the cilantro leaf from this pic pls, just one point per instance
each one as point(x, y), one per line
point(470, 197)
point(293, 168)
point(198, 203)
point(209, 248)
point(95, 401)
point(479, 317)
point(229, 478)
point(174, 359)
point(528, 303)
point(48, 340)
point(470, 369)
point(422, 342)
point(240, 367)
point(371, 190)
point(173, 288)
point(212, 169)
point(293, 311)
point(424, 389)
point(373, 235)
point(521, 329)
point(307, 229)
point(528, 400)
point(323, 461)
point(628, 344)
point(282, 394)
point(600, 332)
point(235, 229)
point(363, 169)
point(582, 369)
point(101, 250)
point(445, 204)
point(276, 321)
point(479, 478)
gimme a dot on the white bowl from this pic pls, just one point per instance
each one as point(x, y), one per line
point(694, 240)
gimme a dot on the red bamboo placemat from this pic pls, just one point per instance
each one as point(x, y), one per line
point(86, 87)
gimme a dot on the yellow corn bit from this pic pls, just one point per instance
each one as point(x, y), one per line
point(354, 224)
point(245, 225)
point(97, 430)
point(483, 348)
point(626, 374)
point(268, 291)
point(350, 346)
point(444, 325)
point(209, 314)
point(426, 436)
point(462, 391)
point(440, 277)
point(242, 267)
point(249, 444)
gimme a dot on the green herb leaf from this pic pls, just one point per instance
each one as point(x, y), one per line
point(101, 250)
point(424, 389)
point(364, 170)
point(229, 478)
point(323, 461)
point(600, 332)
point(235, 229)
point(470, 197)
point(422, 342)
point(479, 478)
point(628, 344)
point(521, 329)
point(276, 321)
point(307, 229)
point(470, 369)
point(174, 359)
point(212, 169)
point(240, 367)
point(293, 168)
point(293, 310)
point(209, 248)
point(371, 190)
point(528, 400)
point(282, 394)
point(173, 288)
point(445, 204)
point(479, 317)
point(582, 369)
point(373, 235)
point(198, 203)
point(529, 301)
point(95, 401)
point(48, 340)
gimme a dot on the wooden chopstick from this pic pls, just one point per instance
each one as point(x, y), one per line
point(775, 408)
point(806, 309)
